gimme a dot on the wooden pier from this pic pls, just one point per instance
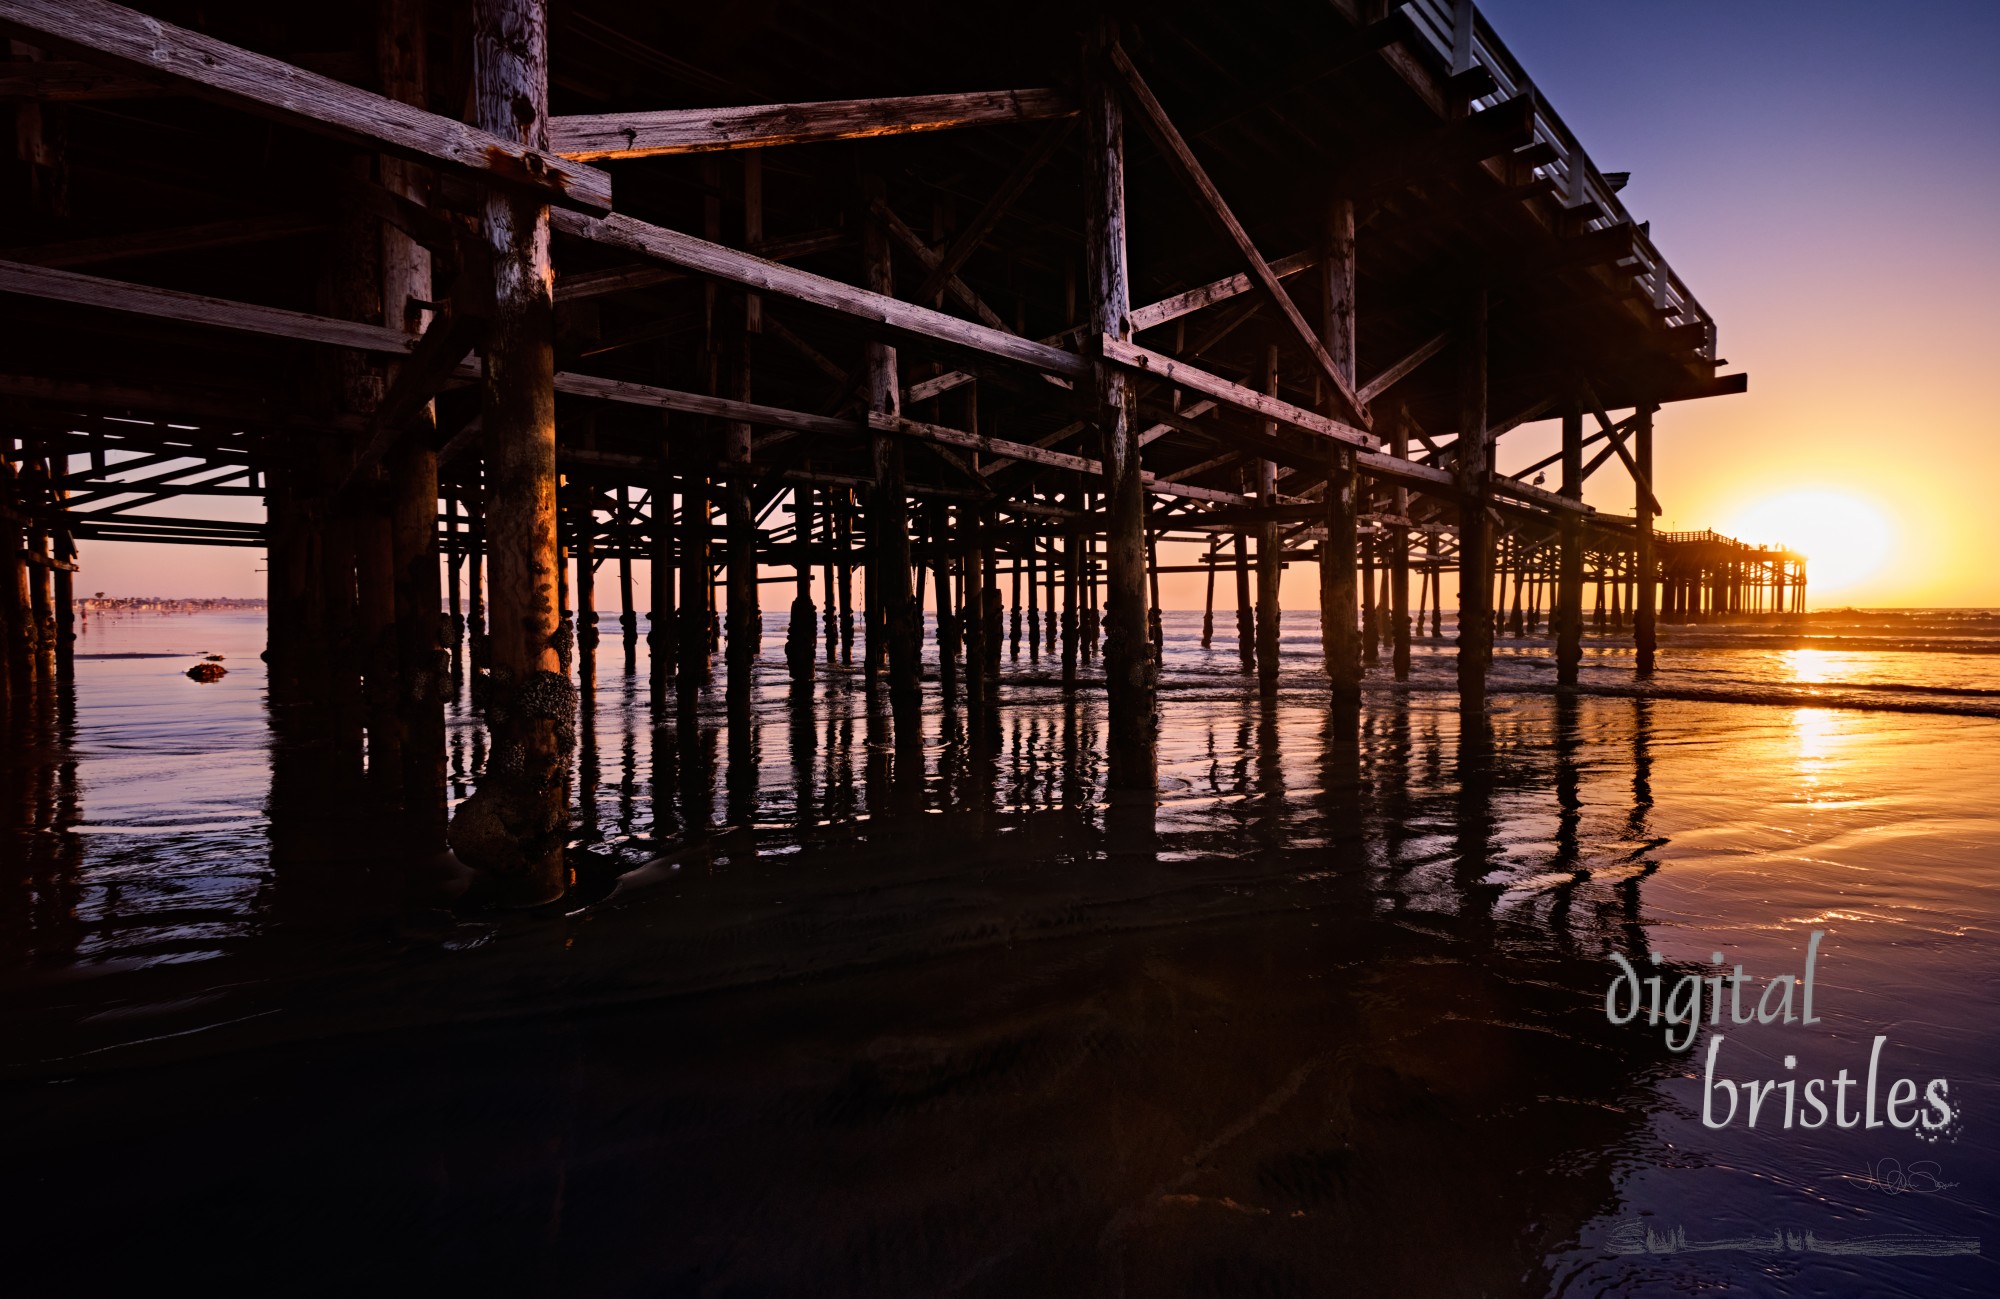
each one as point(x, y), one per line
point(826, 318)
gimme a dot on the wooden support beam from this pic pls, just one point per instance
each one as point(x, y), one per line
point(877, 309)
point(433, 362)
point(1645, 613)
point(1399, 552)
point(1475, 576)
point(619, 279)
point(1131, 672)
point(1193, 410)
point(1270, 566)
point(1222, 290)
point(412, 467)
point(512, 827)
point(1527, 492)
point(197, 309)
point(129, 41)
point(1067, 431)
point(604, 136)
point(1641, 477)
point(885, 423)
point(1191, 171)
point(895, 645)
point(932, 260)
point(1339, 552)
point(1181, 374)
point(1382, 382)
point(1569, 577)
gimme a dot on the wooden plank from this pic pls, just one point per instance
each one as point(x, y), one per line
point(886, 423)
point(1179, 373)
point(1386, 380)
point(751, 272)
point(1191, 171)
point(938, 385)
point(129, 41)
point(1389, 468)
point(580, 285)
point(618, 279)
point(992, 467)
point(1222, 290)
point(600, 136)
point(1162, 488)
point(940, 435)
point(1554, 501)
point(692, 403)
point(196, 309)
point(433, 363)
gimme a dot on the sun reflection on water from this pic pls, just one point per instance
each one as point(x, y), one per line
point(1809, 666)
point(1816, 732)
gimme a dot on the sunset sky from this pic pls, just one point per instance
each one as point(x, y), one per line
point(1824, 177)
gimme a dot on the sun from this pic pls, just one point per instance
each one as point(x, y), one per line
point(1844, 538)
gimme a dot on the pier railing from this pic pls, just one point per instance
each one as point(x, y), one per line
point(1462, 38)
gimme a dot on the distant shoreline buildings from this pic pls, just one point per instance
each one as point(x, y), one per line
point(103, 604)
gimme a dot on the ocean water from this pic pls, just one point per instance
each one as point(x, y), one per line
point(815, 1020)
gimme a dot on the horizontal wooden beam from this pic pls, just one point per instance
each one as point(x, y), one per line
point(1395, 469)
point(694, 403)
point(603, 136)
point(638, 394)
point(1520, 491)
point(129, 41)
point(747, 271)
point(645, 275)
point(885, 423)
point(197, 309)
point(1144, 360)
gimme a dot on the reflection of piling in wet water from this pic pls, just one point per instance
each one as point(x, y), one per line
point(1002, 995)
point(965, 387)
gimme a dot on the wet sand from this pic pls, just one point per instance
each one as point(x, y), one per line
point(1330, 1021)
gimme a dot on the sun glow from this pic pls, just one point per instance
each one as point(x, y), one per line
point(1844, 538)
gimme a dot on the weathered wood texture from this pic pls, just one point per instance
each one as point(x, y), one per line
point(1339, 638)
point(882, 310)
point(129, 41)
point(1475, 537)
point(1569, 578)
point(604, 136)
point(513, 826)
point(1131, 675)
